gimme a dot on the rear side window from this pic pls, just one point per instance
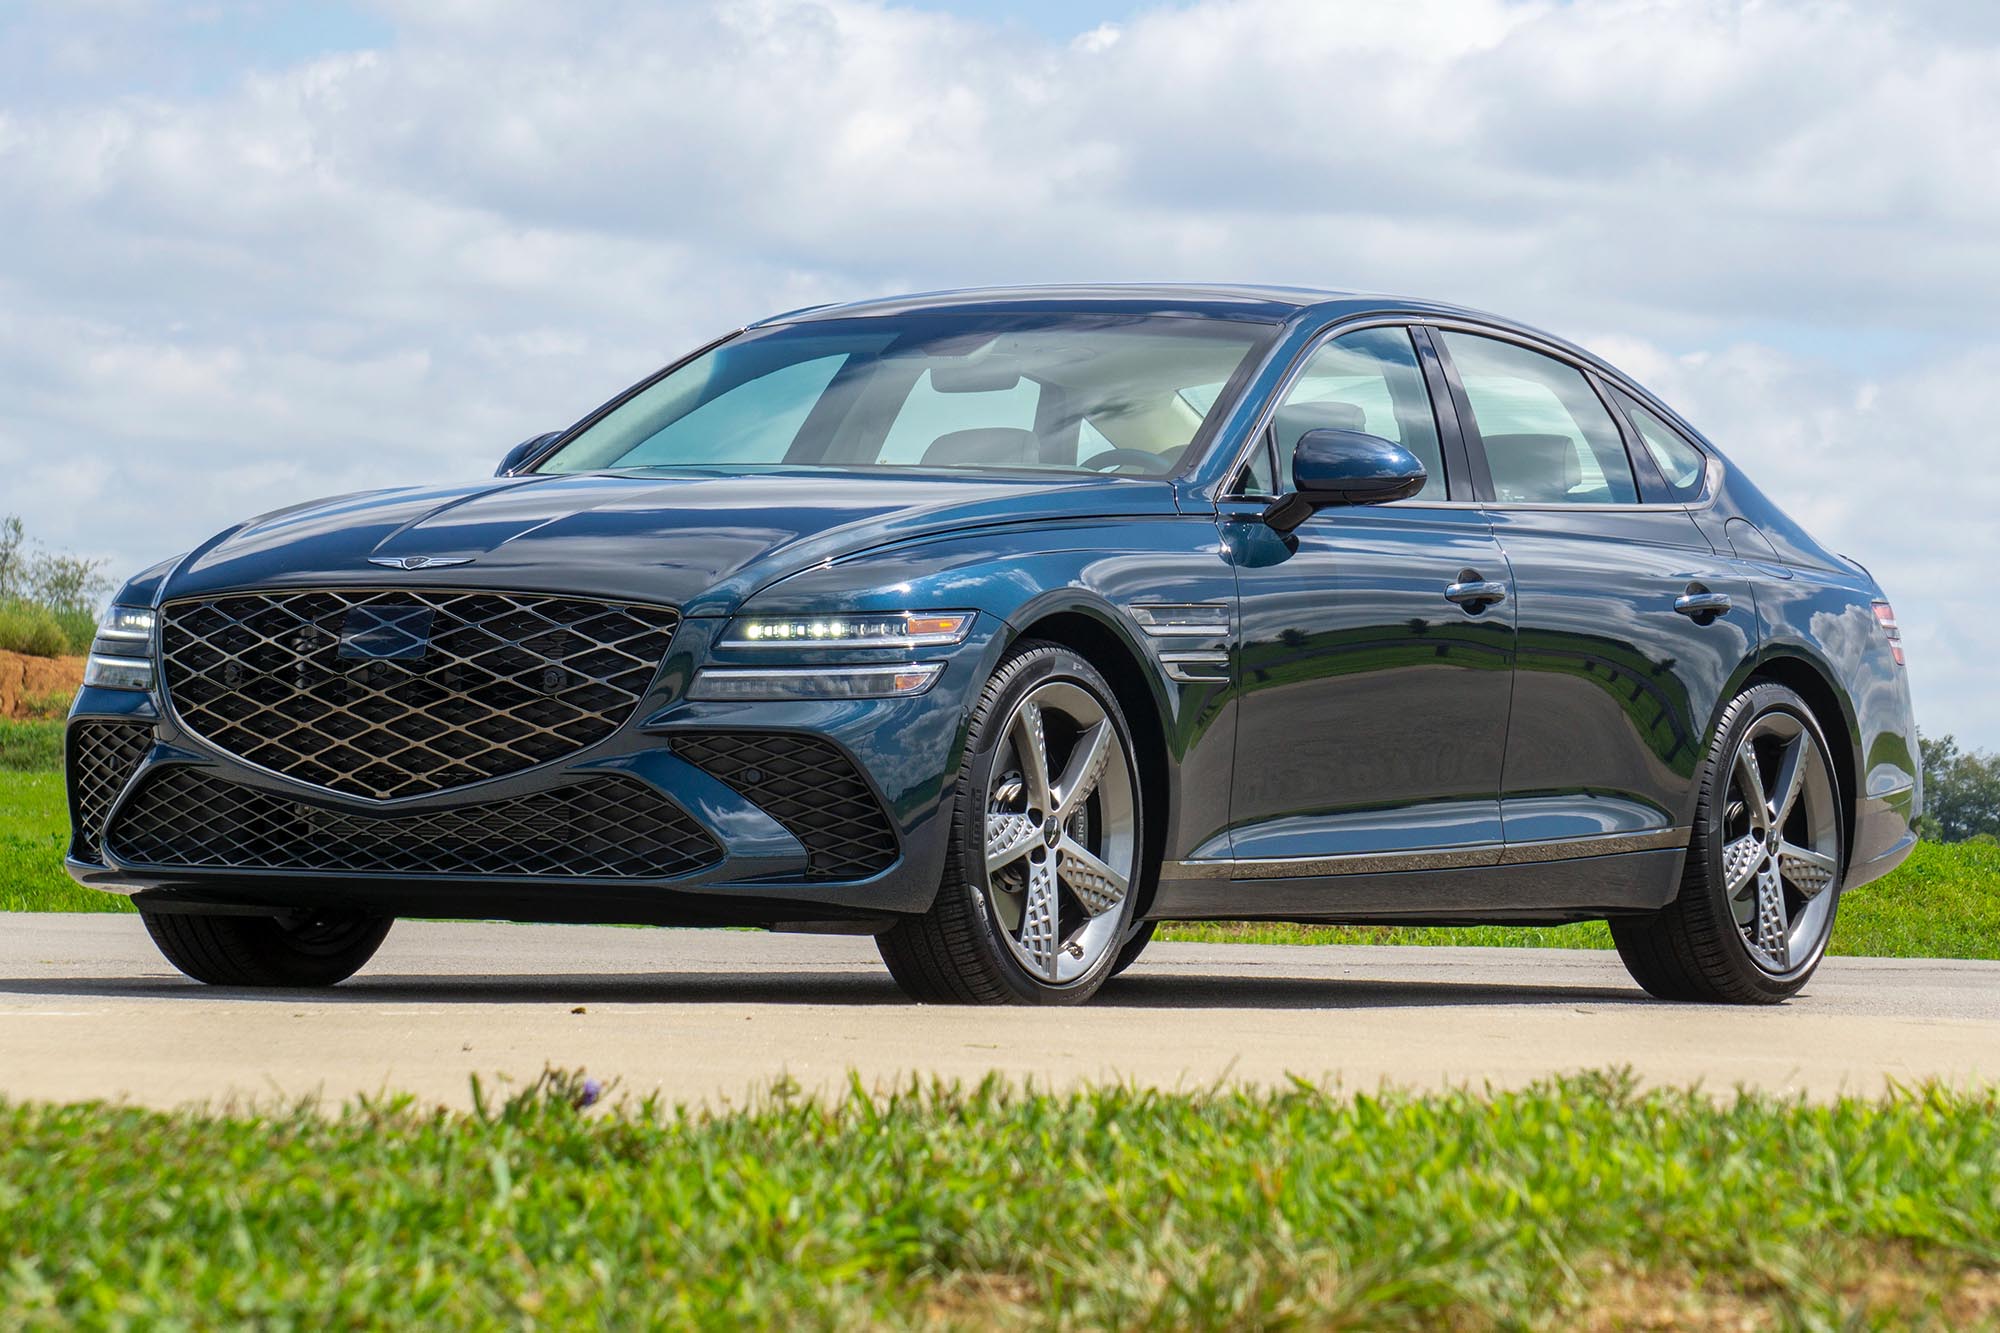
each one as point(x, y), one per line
point(1549, 438)
point(1680, 462)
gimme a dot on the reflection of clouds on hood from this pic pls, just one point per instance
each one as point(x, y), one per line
point(387, 250)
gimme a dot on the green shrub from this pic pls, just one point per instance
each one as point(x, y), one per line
point(79, 627)
point(51, 706)
point(34, 630)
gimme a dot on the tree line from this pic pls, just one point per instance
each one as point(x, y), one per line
point(1961, 792)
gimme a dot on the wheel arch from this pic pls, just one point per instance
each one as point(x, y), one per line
point(1096, 634)
point(1813, 682)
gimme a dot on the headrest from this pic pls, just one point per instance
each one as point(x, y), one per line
point(991, 446)
point(1295, 419)
point(1533, 468)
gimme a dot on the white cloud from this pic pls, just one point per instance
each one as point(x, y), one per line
point(389, 265)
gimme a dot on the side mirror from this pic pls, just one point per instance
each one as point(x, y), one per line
point(1344, 467)
point(522, 452)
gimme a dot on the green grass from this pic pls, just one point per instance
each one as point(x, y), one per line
point(1944, 902)
point(34, 831)
point(30, 747)
point(1109, 1207)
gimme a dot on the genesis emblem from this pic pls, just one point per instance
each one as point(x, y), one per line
point(419, 561)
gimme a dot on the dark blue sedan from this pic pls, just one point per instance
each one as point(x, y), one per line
point(1003, 625)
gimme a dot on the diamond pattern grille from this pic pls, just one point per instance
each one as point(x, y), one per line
point(102, 757)
point(807, 785)
point(392, 692)
point(612, 828)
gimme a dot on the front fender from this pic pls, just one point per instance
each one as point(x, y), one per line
point(1061, 580)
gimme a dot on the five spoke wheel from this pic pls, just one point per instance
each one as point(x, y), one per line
point(1781, 845)
point(1762, 875)
point(1043, 867)
point(1060, 831)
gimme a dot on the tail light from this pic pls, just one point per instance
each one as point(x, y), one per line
point(1885, 616)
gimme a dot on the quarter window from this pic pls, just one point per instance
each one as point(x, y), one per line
point(1680, 462)
point(1368, 380)
point(1549, 438)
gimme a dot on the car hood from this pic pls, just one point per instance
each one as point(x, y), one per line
point(700, 541)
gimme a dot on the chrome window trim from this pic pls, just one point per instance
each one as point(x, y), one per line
point(1712, 482)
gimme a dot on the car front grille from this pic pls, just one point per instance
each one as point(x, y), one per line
point(101, 758)
point(391, 692)
point(610, 827)
point(807, 785)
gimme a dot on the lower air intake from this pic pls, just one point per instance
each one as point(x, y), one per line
point(609, 828)
point(807, 785)
point(100, 759)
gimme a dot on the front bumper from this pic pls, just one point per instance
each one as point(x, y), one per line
point(905, 750)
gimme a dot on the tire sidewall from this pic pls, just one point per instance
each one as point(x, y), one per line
point(1028, 667)
point(1755, 703)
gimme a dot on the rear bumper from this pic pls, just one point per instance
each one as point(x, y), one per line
point(1884, 833)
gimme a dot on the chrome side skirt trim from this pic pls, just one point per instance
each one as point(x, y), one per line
point(1440, 858)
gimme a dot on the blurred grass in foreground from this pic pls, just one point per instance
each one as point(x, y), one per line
point(1579, 1202)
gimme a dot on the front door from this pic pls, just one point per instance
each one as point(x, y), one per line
point(1630, 623)
point(1373, 707)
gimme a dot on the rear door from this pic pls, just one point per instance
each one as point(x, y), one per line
point(1629, 623)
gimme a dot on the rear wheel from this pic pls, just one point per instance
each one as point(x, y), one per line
point(1763, 872)
point(301, 950)
point(1045, 845)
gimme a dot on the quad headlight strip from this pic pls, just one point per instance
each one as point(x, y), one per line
point(121, 656)
point(874, 680)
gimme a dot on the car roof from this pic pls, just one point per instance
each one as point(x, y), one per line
point(1239, 301)
point(1272, 305)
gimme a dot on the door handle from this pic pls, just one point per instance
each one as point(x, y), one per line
point(1703, 607)
point(1475, 594)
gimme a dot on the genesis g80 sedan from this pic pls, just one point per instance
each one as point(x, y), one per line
point(1004, 625)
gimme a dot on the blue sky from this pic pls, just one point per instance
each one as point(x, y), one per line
point(257, 252)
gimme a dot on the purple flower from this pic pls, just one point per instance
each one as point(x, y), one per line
point(592, 1090)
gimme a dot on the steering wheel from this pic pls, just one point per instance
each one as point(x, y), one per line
point(1150, 464)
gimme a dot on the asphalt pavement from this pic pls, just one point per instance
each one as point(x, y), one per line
point(88, 1009)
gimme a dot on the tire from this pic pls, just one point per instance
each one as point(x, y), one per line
point(308, 950)
point(1786, 875)
point(1066, 929)
point(1134, 947)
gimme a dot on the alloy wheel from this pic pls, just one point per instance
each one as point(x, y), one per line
point(1781, 843)
point(1061, 832)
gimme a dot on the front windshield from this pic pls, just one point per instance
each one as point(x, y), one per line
point(1104, 393)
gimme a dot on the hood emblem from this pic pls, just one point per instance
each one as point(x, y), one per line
point(419, 561)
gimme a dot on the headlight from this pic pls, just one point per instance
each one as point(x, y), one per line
point(718, 684)
point(894, 629)
point(121, 657)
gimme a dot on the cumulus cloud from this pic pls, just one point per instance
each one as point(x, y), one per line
point(388, 262)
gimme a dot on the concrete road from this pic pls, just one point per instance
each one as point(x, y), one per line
point(89, 1010)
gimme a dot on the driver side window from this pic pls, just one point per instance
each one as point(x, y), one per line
point(1370, 381)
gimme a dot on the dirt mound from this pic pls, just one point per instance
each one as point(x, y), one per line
point(37, 686)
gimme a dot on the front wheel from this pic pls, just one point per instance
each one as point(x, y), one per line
point(1045, 845)
point(305, 949)
point(1763, 872)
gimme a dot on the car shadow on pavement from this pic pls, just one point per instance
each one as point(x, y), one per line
point(1182, 990)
